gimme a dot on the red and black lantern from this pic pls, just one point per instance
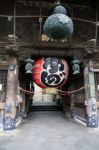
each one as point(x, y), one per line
point(50, 72)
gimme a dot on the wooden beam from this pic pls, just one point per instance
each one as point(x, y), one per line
point(49, 51)
point(90, 97)
point(3, 66)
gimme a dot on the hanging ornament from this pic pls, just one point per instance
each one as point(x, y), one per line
point(60, 10)
point(28, 66)
point(50, 72)
point(58, 26)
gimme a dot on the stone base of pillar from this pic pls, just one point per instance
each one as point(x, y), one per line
point(92, 121)
point(73, 114)
point(23, 114)
point(9, 123)
point(92, 116)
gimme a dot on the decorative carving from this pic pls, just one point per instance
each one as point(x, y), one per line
point(12, 67)
point(9, 123)
point(92, 121)
point(94, 108)
point(23, 114)
point(92, 118)
point(13, 44)
point(90, 47)
point(12, 38)
point(8, 108)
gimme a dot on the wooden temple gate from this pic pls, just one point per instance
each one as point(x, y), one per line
point(84, 47)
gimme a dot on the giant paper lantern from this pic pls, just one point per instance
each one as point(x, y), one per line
point(50, 72)
point(58, 26)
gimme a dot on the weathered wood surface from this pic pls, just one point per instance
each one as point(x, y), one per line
point(23, 104)
point(2, 105)
point(11, 95)
point(48, 49)
point(72, 100)
point(97, 104)
point(39, 48)
point(42, 44)
point(90, 97)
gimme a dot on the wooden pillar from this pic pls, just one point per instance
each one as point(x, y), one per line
point(23, 113)
point(2, 105)
point(90, 97)
point(72, 100)
point(11, 95)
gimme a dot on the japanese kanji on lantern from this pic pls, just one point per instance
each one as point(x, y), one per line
point(50, 72)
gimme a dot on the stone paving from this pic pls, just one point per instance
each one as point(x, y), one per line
point(50, 131)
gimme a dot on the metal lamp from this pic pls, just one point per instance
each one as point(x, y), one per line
point(29, 66)
point(75, 66)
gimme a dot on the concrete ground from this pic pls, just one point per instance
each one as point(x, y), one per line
point(50, 131)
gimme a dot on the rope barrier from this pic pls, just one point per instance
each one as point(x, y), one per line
point(71, 92)
point(60, 92)
point(29, 92)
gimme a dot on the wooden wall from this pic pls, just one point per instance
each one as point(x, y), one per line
point(27, 26)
